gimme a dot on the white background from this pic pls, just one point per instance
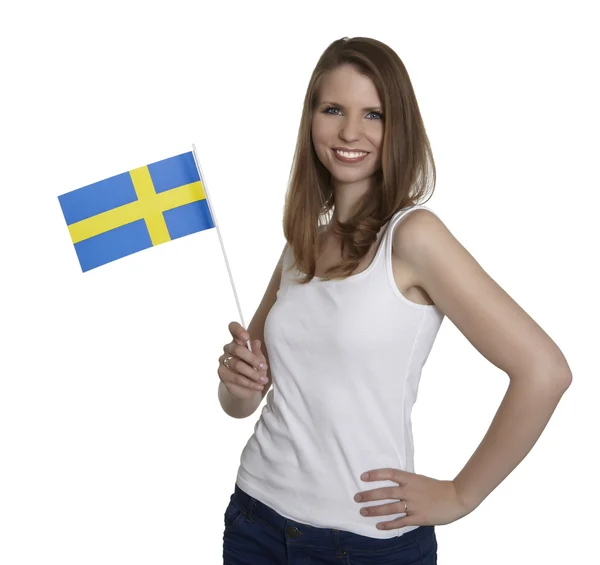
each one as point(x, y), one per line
point(113, 445)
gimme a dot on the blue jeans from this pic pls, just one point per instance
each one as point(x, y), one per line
point(257, 535)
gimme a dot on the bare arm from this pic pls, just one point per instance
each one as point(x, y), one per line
point(236, 407)
point(503, 333)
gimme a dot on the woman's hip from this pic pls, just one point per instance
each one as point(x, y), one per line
point(255, 533)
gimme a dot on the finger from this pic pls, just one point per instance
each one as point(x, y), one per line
point(239, 367)
point(380, 494)
point(242, 381)
point(386, 474)
point(238, 332)
point(383, 509)
point(263, 366)
point(231, 375)
point(395, 524)
point(257, 350)
point(242, 352)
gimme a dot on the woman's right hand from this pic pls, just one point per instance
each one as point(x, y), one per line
point(242, 377)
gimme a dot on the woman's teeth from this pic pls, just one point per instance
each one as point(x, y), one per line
point(352, 155)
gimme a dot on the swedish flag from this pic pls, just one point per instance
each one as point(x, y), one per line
point(135, 210)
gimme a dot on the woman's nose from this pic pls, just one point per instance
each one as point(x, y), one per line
point(351, 130)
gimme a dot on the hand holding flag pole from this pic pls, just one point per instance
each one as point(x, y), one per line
point(214, 217)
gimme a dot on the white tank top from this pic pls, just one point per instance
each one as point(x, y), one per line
point(346, 359)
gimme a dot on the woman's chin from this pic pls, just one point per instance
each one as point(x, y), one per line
point(349, 179)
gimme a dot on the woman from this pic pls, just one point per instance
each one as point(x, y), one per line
point(349, 317)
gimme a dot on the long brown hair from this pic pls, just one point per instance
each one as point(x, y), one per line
point(407, 166)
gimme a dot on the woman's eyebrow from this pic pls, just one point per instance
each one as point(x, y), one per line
point(343, 107)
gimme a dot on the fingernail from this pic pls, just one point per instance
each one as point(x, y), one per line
point(263, 379)
point(245, 336)
point(262, 366)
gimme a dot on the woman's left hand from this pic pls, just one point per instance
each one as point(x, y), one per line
point(429, 502)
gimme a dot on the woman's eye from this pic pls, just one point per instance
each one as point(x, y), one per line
point(379, 115)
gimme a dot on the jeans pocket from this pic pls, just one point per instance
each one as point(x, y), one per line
point(233, 514)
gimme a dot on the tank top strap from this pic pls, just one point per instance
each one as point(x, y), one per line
point(388, 237)
point(286, 273)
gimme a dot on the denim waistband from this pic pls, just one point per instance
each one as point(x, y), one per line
point(297, 532)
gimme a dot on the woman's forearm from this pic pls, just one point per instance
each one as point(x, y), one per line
point(520, 420)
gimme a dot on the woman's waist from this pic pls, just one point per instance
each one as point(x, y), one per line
point(312, 456)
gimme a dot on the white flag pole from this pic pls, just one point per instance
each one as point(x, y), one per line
point(214, 217)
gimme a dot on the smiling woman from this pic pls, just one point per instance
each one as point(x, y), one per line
point(362, 154)
point(345, 348)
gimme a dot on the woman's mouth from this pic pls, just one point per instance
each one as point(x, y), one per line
point(349, 156)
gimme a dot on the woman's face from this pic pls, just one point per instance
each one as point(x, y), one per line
point(348, 116)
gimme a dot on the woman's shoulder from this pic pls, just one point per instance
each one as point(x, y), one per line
point(416, 222)
point(415, 210)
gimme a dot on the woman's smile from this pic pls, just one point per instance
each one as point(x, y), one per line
point(349, 157)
